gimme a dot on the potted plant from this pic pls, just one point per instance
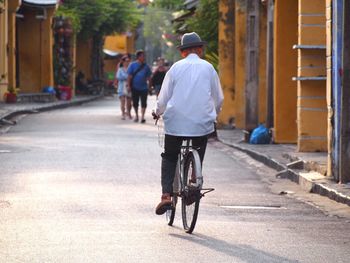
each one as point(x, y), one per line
point(11, 95)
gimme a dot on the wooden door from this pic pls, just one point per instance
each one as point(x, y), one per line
point(252, 76)
point(269, 63)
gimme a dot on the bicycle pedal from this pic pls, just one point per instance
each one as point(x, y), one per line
point(195, 185)
point(170, 207)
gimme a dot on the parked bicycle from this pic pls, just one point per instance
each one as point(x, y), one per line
point(187, 185)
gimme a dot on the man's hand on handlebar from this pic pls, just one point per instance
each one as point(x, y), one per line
point(155, 117)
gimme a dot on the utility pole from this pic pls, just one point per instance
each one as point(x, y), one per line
point(345, 100)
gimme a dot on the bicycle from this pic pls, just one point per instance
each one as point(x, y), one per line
point(187, 185)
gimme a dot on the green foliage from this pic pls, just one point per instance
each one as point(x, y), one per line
point(213, 58)
point(102, 17)
point(168, 4)
point(158, 29)
point(12, 90)
point(156, 23)
point(205, 23)
point(95, 19)
point(70, 14)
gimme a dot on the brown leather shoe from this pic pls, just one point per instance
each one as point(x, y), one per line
point(164, 204)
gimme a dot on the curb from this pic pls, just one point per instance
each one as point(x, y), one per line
point(316, 183)
point(56, 105)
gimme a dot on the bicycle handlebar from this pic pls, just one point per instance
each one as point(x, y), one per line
point(155, 117)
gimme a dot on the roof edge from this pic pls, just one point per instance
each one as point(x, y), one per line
point(38, 3)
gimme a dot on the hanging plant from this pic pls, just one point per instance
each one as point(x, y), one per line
point(62, 50)
point(70, 17)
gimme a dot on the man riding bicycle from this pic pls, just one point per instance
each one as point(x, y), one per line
point(190, 100)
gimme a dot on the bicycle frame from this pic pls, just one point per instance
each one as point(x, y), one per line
point(185, 150)
point(185, 185)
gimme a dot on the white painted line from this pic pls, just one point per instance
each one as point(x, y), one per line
point(252, 207)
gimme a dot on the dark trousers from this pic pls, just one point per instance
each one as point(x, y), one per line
point(138, 95)
point(172, 148)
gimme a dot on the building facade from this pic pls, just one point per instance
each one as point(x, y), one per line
point(285, 69)
point(26, 42)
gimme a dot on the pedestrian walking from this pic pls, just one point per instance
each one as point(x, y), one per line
point(123, 91)
point(190, 100)
point(158, 75)
point(139, 74)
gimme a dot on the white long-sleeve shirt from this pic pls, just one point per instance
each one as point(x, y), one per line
point(190, 98)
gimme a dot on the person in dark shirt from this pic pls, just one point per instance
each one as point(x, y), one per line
point(138, 82)
point(158, 75)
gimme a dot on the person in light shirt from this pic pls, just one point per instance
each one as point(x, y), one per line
point(189, 100)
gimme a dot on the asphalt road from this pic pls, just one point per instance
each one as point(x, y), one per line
point(81, 185)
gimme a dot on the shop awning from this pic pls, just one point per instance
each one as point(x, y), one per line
point(41, 2)
point(110, 53)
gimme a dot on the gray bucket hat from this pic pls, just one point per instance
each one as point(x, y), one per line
point(191, 40)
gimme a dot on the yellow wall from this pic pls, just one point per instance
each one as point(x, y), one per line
point(83, 57)
point(3, 55)
point(130, 44)
point(262, 65)
point(285, 68)
point(46, 77)
point(110, 65)
point(13, 5)
point(29, 53)
point(240, 61)
point(121, 43)
point(227, 60)
point(35, 41)
point(329, 85)
point(312, 105)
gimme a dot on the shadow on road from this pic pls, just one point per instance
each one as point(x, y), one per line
point(244, 252)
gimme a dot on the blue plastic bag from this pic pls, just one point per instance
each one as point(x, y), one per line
point(49, 89)
point(260, 135)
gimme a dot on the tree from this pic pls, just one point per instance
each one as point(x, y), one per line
point(158, 32)
point(206, 22)
point(172, 5)
point(95, 19)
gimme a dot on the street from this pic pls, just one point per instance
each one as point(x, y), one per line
point(81, 185)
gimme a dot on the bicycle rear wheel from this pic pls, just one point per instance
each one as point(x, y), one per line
point(170, 214)
point(191, 195)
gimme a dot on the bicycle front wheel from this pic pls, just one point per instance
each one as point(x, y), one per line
point(191, 194)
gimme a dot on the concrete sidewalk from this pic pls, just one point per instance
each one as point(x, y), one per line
point(306, 169)
point(9, 110)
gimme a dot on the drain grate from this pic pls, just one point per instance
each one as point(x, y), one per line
point(253, 207)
